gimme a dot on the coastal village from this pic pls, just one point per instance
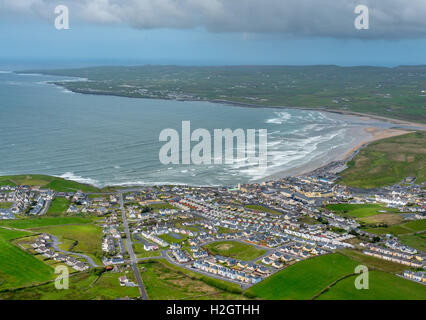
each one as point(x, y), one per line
point(285, 220)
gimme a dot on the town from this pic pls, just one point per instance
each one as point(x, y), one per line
point(274, 224)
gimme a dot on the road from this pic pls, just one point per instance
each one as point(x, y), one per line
point(55, 245)
point(45, 208)
point(132, 255)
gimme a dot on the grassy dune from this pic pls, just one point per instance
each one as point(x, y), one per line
point(388, 161)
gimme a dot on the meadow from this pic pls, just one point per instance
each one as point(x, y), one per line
point(82, 286)
point(401, 229)
point(44, 222)
point(88, 237)
point(388, 161)
point(17, 267)
point(382, 286)
point(305, 279)
point(58, 207)
point(48, 182)
point(416, 241)
point(359, 210)
point(165, 282)
point(234, 249)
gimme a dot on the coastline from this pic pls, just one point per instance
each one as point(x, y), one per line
point(362, 116)
point(362, 133)
point(376, 134)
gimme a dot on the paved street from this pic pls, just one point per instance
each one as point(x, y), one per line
point(55, 245)
point(132, 255)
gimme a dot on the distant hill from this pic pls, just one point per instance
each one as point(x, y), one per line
point(398, 93)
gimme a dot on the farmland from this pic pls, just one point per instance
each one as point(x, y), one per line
point(382, 286)
point(359, 210)
point(44, 222)
point(83, 286)
point(388, 161)
point(304, 279)
point(165, 282)
point(87, 237)
point(58, 207)
point(18, 268)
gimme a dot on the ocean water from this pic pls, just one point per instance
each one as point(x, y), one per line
point(105, 140)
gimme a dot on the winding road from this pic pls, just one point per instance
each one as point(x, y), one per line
point(55, 245)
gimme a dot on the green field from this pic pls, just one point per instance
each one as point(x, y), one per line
point(140, 252)
point(388, 161)
point(83, 286)
point(164, 282)
point(308, 220)
point(359, 210)
point(234, 249)
point(44, 222)
point(373, 263)
point(305, 279)
point(88, 237)
point(158, 206)
point(262, 209)
point(400, 229)
point(58, 207)
point(5, 205)
point(416, 241)
point(382, 286)
point(53, 183)
point(18, 268)
point(170, 239)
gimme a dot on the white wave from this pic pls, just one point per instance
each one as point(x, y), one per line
point(73, 177)
point(282, 118)
point(29, 74)
point(5, 71)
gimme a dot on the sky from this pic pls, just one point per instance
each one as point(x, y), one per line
point(213, 32)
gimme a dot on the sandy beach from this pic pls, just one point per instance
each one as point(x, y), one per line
point(366, 134)
point(376, 134)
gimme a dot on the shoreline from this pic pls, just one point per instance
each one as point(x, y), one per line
point(376, 134)
point(362, 116)
point(331, 155)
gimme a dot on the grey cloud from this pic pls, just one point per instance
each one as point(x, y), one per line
point(319, 18)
